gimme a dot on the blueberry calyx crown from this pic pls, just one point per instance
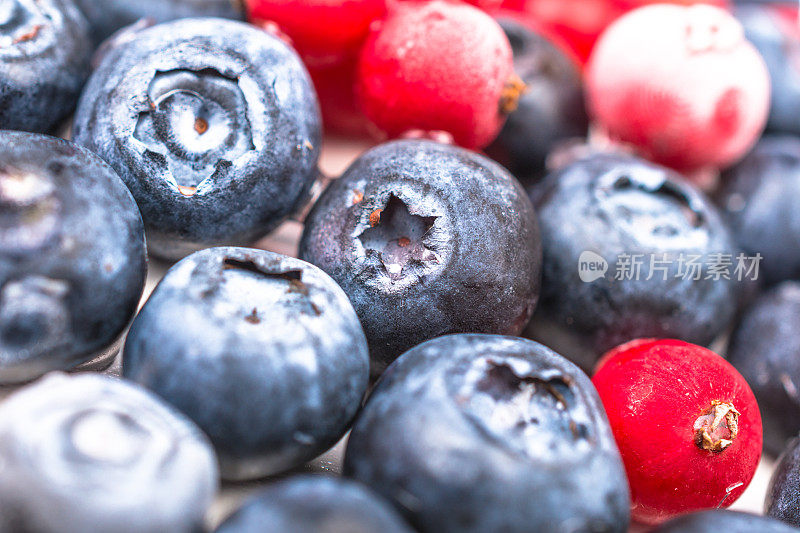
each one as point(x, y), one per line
point(197, 122)
point(531, 410)
point(22, 25)
point(717, 427)
point(297, 291)
point(397, 238)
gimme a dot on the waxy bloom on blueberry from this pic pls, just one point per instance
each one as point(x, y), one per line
point(427, 239)
point(72, 256)
point(212, 124)
point(96, 453)
point(262, 351)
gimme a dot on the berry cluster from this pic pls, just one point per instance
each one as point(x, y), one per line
point(552, 190)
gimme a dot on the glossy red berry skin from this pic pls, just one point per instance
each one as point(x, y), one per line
point(324, 32)
point(486, 5)
point(436, 66)
point(655, 392)
point(681, 85)
point(335, 87)
point(579, 23)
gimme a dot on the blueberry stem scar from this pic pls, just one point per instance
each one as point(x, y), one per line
point(398, 237)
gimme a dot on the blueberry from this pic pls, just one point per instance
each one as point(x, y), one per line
point(427, 239)
point(95, 453)
point(757, 200)
point(618, 220)
point(783, 493)
point(212, 124)
point(72, 256)
point(262, 351)
point(727, 521)
point(551, 111)
point(773, 31)
point(44, 62)
point(764, 349)
point(106, 17)
point(489, 433)
point(313, 504)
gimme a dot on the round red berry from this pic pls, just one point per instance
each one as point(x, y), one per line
point(438, 66)
point(335, 87)
point(324, 32)
point(579, 23)
point(686, 423)
point(486, 5)
point(680, 84)
point(576, 22)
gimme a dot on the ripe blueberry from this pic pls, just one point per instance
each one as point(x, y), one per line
point(757, 199)
point(106, 17)
point(212, 124)
point(551, 110)
point(727, 521)
point(306, 504)
point(465, 432)
point(44, 62)
point(764, 349)
point(262, 351)
point(773, 30)
point(72, 256)
point(659, 239)
point(783, 493)
point(427, 239)
point(95, 453)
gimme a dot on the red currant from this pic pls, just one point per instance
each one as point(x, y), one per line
point(680, 84)
point(486, 5)
point(579, 23)
point(335, 87)
point(686, 423)
point(438, 66)
point(324, 32)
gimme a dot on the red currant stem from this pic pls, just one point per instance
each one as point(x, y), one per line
point(512, 91)
point(717, 427)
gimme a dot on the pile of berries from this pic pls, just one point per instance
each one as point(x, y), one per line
point(553, 190)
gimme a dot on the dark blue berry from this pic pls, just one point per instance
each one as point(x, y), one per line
point(764, 349)
point(72, 256)
point(107, 16)
point(212, 124)
point(95, 453)
point(427, 239)
point(757, 199)
point(783, 493)
point(773, 29)
point(262, 351)
point(661, 242)
point(315, 504)
point(44, 62)
point(727, 521)
point(550, 111)
point(489, 433)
